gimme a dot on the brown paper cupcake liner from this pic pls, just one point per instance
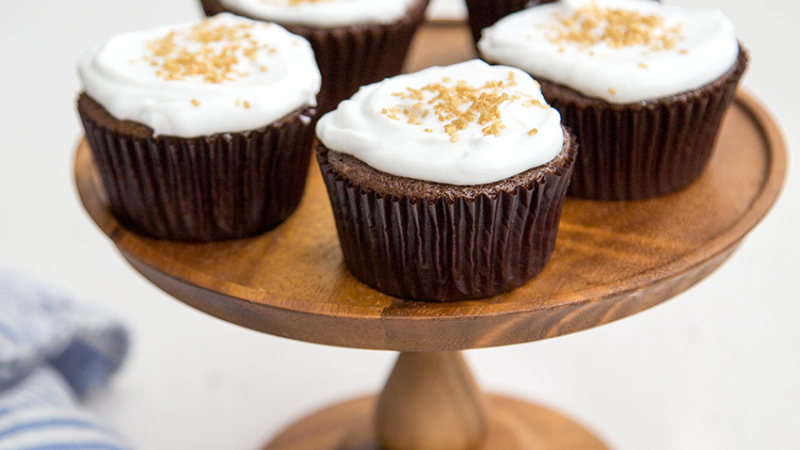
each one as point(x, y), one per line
point(352, 56)
point(439, 250)
point(208, 188)
point(484, 13)
point(641, 150)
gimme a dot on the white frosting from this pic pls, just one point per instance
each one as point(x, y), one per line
point(282, 78)
point(323, 13)
point(359, 128)
point(706, 47)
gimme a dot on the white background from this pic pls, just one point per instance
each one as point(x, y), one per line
point(715, 368)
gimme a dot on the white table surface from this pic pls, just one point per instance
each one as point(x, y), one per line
point(715, 368)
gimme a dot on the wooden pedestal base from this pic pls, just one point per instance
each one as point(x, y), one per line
point(431, 402)
point(512, 425)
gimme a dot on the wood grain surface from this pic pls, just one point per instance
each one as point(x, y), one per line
point(611, 259)
point(511, 425)
point(430, 402)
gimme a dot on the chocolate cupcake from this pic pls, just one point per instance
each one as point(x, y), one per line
point(201, 132)
point(356, 42)
point(446, 184)
point(643, 86)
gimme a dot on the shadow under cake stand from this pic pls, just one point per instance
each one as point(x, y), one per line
point(612, 259)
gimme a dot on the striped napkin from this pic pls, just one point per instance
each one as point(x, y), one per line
point(53, 353)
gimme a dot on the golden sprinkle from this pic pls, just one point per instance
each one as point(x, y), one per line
point(643, 66)
point(429, 130)
point(493, 129)
point(496, 84)
point(458, 106)
point(416, 94)
point(246, 105)
point(250, 52)
point(195, 102)
point(684, 51)
point(390, 113)
point(211, 52)
point(618, 28)
point(533, 131)
point(612, 91)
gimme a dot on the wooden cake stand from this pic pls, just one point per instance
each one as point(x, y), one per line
point(611, 260)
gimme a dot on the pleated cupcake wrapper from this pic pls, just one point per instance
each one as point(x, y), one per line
point(210, 188)
point(441, 251)
point(352, 56)
point(484, 13)
point(212, 7)
point(633, 152)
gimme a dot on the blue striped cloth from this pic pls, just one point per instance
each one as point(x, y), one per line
point(53, 353)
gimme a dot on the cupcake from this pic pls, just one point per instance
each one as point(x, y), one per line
point(446, 184)
point(356, 42)
point(643, 86)
point(201, 132)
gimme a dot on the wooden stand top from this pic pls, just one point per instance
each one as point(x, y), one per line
point(612, 259)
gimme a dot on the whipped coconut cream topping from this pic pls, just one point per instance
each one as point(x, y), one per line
point(226, 74)
point(621, 51)
point(322, 13)
point(465, 124)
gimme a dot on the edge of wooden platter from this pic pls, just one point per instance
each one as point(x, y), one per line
point(395, 324)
